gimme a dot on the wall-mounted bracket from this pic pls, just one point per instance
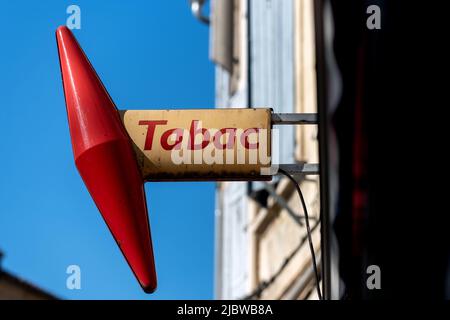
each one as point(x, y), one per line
point(294, 118)
point(297, 119)
point(301, 168)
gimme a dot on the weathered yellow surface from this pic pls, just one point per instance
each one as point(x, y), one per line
point(228, 144)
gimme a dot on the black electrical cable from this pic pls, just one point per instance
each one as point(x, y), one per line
point(308, 229)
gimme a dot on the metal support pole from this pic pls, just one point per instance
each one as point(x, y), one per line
point(294, 118)
point(301, 168)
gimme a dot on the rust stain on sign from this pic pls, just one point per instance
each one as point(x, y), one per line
point(201, 144)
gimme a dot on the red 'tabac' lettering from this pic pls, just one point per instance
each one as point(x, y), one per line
point(150, 131)
point(244, 139)
point(165, 139)
point(229, 144)
point(193, 133)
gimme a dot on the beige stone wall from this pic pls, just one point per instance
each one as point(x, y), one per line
point(275, 235)
point(305, 76)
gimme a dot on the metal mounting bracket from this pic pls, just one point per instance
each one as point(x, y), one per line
point(297, 119)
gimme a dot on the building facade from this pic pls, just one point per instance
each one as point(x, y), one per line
point(265, 57)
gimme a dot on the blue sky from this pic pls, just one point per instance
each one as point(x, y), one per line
point(149, 55)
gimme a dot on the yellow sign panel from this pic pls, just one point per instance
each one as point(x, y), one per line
point(201, 144)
